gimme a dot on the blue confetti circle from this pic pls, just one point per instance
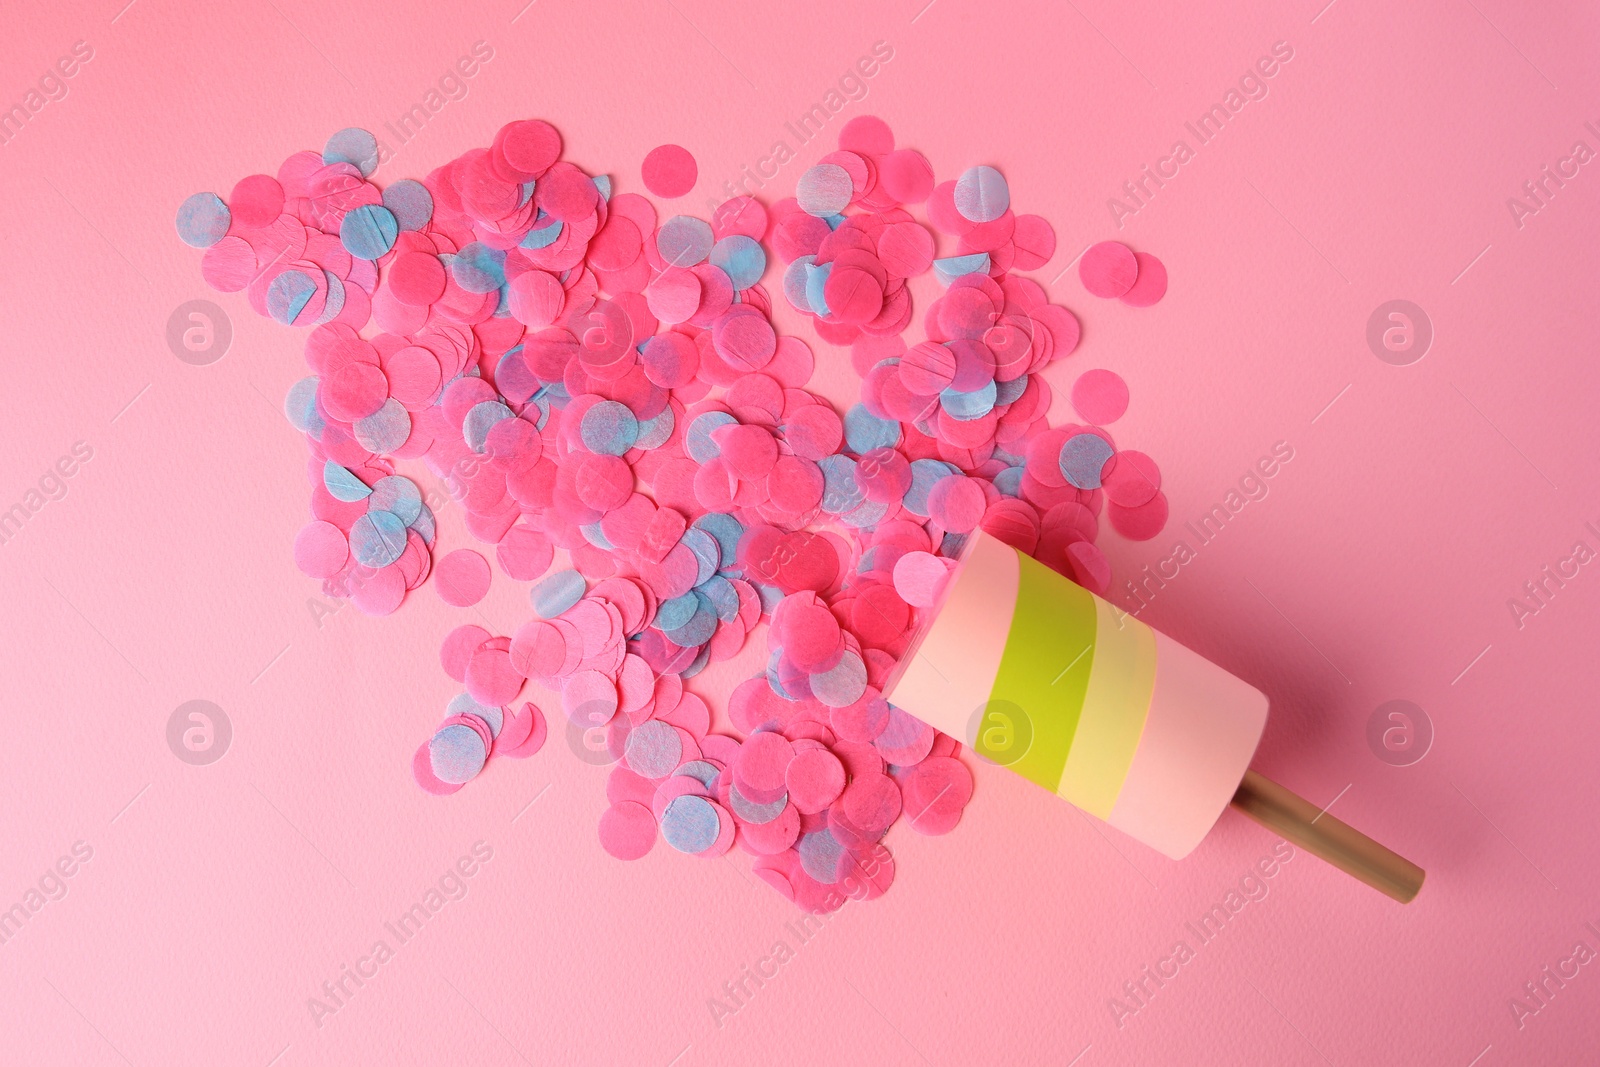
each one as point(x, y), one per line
point(203, 220)
point(369, 231)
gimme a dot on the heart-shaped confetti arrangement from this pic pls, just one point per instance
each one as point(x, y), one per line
point(589, 379)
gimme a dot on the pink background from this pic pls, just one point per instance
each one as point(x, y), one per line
point(220, 898)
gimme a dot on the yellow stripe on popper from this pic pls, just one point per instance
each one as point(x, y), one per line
point(1115, 707)
point(1044, 672)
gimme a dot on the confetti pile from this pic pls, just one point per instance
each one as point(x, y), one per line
point(587, 378)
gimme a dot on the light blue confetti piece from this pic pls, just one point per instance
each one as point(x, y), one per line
point(477, 268)
point(555, 594)
point(342, 485)
point(698, 630)
point(653, 749)
point(385, 429)
point(481, 418)
point(369, 231)
point(971, 405)
point(410, 202)
point(602, 182)
point(354, 146)
point(726, 529)
point(795, 276)
point(288, 295)
point(1006, 392)
point(464, 704)
point(925, 473)
point(543, 235)
point(864, 431)
point(1083, 456)
point(541, 404)
point(723, 596)
point(834, 221)
point(653, 433)
point(699, 664)
point(701, 771)
point(457, 754)
point(300, 405)
point(706, 552)
point(203, 220)
point(819, 856)
point(597, 537)
point(948, 270)
point(843, 684)
point(697, 438)
point(816, 283)
point(840, 490)
point(677, 611)
point(513, 378)
point(865, 515)
point(741, 259)
point(684, 240)
point(377, 539)
point(750, 811)
point(609, 428)
point(690, 824)
point(334, 303)
point(981, 194)
point(1009, 481)
point(902, 730)
point(770, 596)
point(824, 190)
point(953, 545)
point(426, 525)
point(773, 681)
point(397, 495)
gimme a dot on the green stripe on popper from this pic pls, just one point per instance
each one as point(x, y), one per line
point(1044, 673)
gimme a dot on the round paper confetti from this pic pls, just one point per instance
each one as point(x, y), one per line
point(1108, 269)
point(1100, 396)
point(627, 830)
point(669, 171)
point(1151, 284)
point(203, 220)
point(981, 195)
point(457, 754)
point(690, 824)
point(1083, 457)
point(320, 550)
point(462, 578)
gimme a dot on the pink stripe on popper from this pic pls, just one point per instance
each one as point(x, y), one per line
point(1202, 729)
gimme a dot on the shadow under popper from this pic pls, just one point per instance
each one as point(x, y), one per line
point(1038, 674)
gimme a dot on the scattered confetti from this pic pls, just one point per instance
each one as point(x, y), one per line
point(599, 391)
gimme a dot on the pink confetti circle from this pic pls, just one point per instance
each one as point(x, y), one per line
point(462, 578)
point(669, 171)
point(1108, 269)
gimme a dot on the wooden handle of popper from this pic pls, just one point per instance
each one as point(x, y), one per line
point(1302, 824)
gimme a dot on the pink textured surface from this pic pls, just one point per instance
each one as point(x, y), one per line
point(1376, 564)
